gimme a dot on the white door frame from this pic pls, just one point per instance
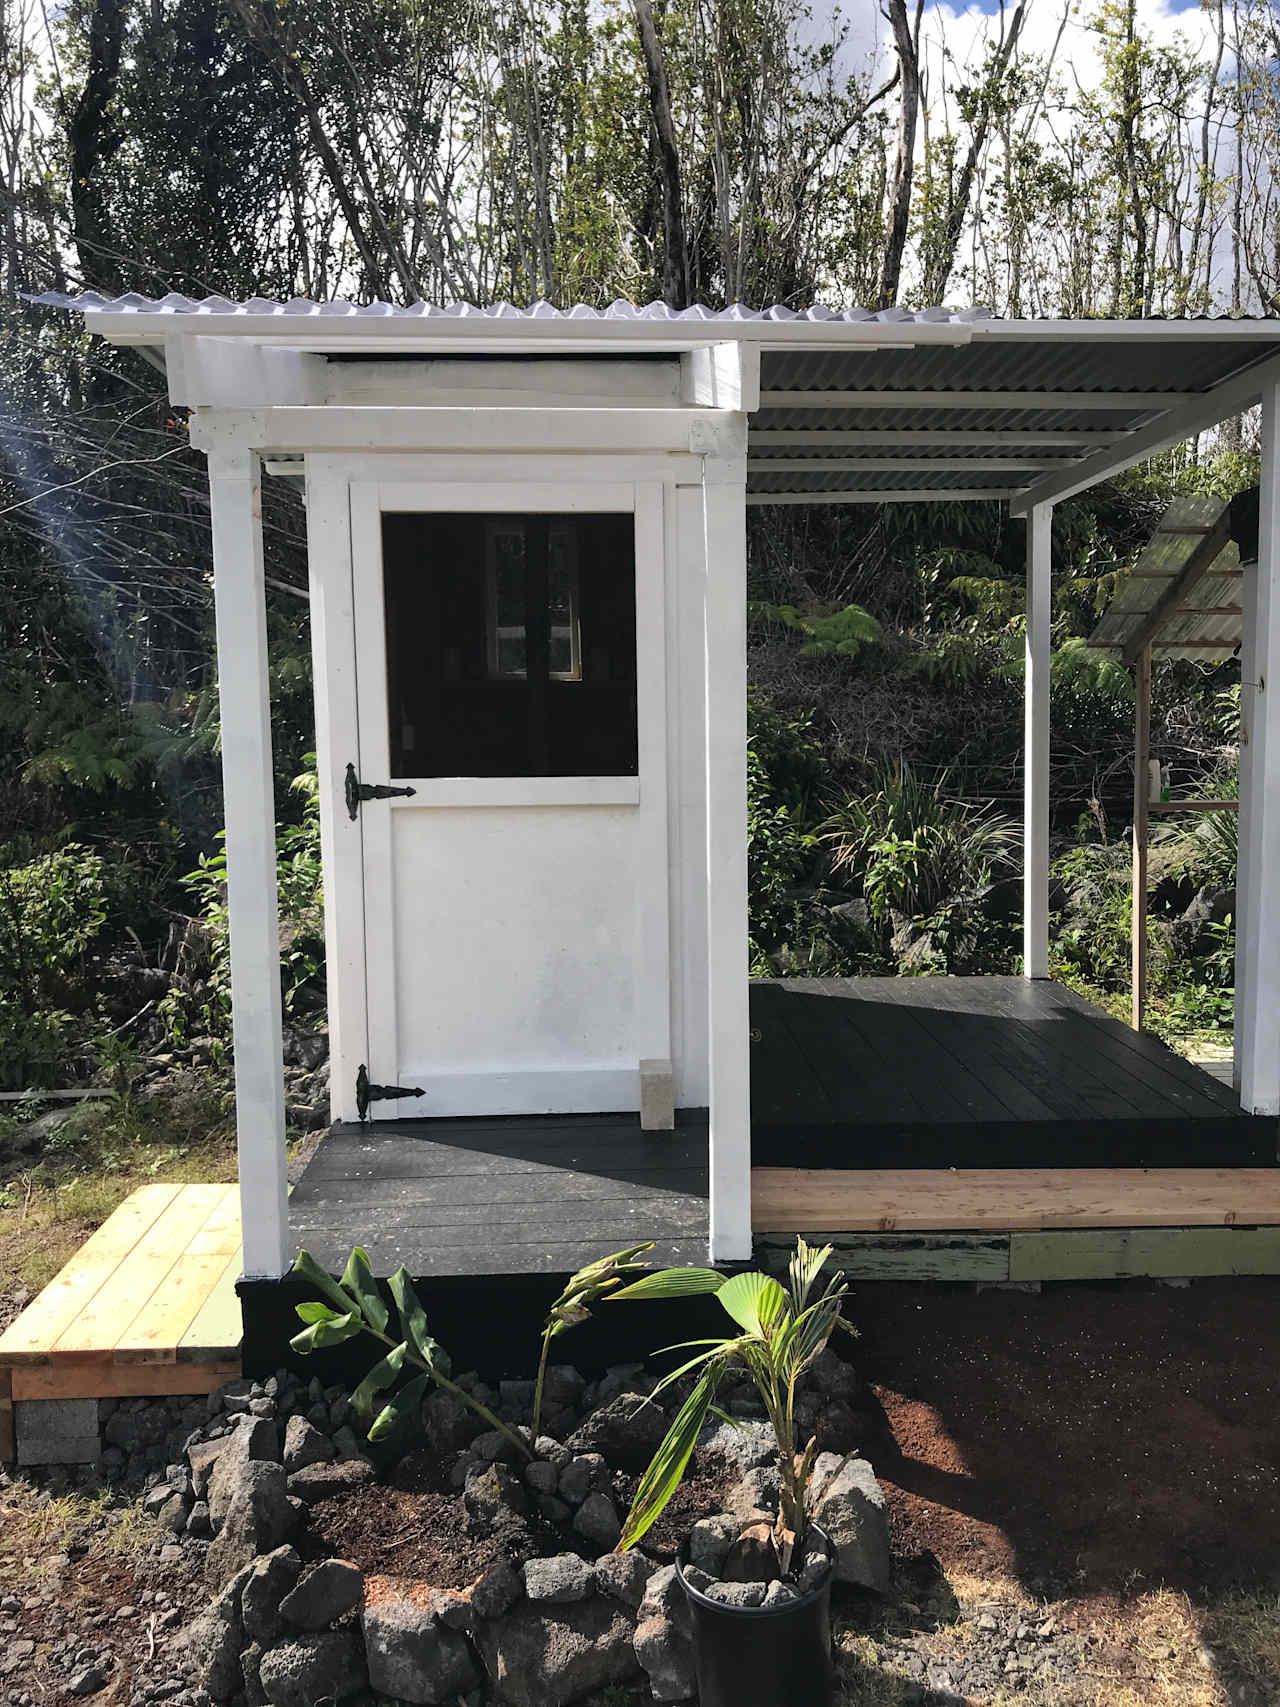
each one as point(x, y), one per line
point(351, 660)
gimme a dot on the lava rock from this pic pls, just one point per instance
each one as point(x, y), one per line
point(779, 1593)
point(497, 1590)
point(542, 1477)
point(449, 1421)
point(313, 1668)
point(253, 1442)
point(623, 1576)
point(547, 1658)
point(851, 1510)
point(327, 1591)
point(453, 1608)
point(410, 1655)
point(214, 1641)
point(258, 1519)
point(269, 1580)
point(626, 1432)
point(663, 1641)
point(304, 1445)
point(558, 1580)
point(833, 1376)
point(756, 1491)
point(710, 1541)
point(322, 1481)
point(494, 1497)
point(596, 1521)
point(753, 1558)
point(737, 1593)
point(87, 1681)
point(743, 1445)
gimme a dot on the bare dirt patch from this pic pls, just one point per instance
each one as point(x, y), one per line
point(414, 1526)
point(1086, 1439)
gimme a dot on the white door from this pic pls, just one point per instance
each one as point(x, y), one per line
point(510, 679)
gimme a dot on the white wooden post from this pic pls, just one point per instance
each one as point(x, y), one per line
point(1257, 1035)
point(729, 1025)
point(249, 807)
point(1035, 827)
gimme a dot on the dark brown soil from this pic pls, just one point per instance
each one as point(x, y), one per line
point(1088, 1438)
point(415, 1527)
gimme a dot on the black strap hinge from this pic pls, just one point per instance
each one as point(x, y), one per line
point(367, 1093)
point(356, 791)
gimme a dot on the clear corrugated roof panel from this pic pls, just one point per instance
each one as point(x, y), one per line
point(1207, 623)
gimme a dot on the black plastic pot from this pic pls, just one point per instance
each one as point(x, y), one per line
point(756, 1656)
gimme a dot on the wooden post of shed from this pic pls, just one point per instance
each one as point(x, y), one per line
point(1141, 819)
point(1257, 1032)
point(1035, 833)
point(249, 805)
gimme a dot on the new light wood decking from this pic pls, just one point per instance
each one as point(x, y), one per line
point(1003, 1200)
point(147, 1304)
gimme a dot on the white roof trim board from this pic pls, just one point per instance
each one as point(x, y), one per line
point(1051, 405)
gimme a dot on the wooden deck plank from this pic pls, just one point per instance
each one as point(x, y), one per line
point(120, 1380)
point(1113, 1253)
point(94, 1333)
point(156, 1331)
point(218, 1327)
point(32, 1336)
point(800, 1200)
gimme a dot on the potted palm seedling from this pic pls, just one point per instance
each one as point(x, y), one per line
point(769, 1643)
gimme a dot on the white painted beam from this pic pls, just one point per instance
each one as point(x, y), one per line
point(721, 376)
point(729, 1026)
point(462, 430)
point(1257, 1035)
point(1130, 402)
point(895, 464)
point(835, 438)
point(1035, 823)
point(1207, 410)
point(864, 495)
point(250, 817)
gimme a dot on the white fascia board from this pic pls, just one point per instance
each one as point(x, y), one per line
point(721, 376)
point(474, 429)
point(1127, 331)
point(341, 333)
point(1219, 403)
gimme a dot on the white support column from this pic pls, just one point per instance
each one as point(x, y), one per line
point(249, 807)
point(729, 1025)
point(1257, 1035)
point(1035, 823)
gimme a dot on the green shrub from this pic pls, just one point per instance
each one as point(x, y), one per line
point(52, 910)
point(199, 1000)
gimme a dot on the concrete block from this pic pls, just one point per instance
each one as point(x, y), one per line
point(57, 1431)
point(657, 1097)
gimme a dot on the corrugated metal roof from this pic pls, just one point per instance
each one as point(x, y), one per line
point(1207, 623)
point(1009, 383)
point(93, 302)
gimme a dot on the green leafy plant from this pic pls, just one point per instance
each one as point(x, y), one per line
point(780, 1332)
point(356, 1306)
point(842, 633)
point(912, 848)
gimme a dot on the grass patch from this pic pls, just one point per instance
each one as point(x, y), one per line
point(51, 1202)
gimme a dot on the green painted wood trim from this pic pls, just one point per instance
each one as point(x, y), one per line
point(901, 1256)
point(1117, 1253)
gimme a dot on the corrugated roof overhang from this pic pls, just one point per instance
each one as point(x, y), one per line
point(854, 405)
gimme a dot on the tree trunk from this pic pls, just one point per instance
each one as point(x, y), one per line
point(906, 42)
point(93, 138)
point(675, 267)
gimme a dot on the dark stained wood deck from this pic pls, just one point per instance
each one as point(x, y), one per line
point(535, 1195)
point(977, 1073)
